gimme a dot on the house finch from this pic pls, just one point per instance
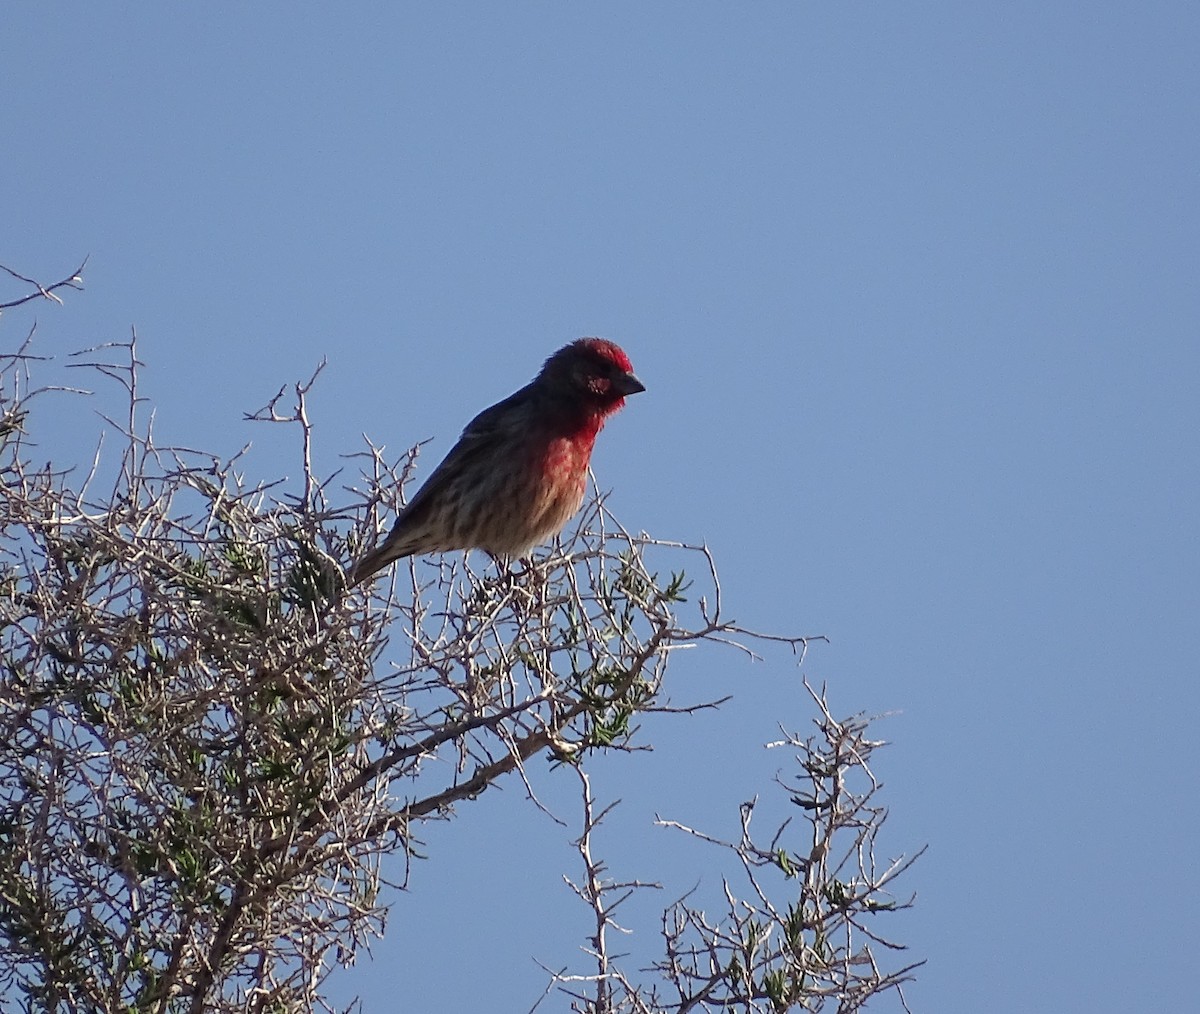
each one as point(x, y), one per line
point(519, 471)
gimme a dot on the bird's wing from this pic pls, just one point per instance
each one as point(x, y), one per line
point(482, 435)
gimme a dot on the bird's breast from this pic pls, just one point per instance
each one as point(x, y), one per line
point(566, 460)
point(563, 470)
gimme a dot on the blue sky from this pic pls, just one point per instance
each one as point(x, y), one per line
point(913, 289)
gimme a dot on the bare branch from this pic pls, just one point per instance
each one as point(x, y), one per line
point(73, 281)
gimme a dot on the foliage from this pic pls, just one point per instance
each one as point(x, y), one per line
point(208, 744)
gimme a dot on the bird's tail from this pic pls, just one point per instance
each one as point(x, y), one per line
point(378, 558)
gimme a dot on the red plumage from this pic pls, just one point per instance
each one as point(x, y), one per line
point(519, 471)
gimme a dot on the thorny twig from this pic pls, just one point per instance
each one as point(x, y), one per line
point(72, 281)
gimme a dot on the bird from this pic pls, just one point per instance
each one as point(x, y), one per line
point(518, 473)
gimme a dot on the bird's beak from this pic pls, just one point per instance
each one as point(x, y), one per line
point(627, 383)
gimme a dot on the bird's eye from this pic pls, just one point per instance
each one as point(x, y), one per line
point(599, 385)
